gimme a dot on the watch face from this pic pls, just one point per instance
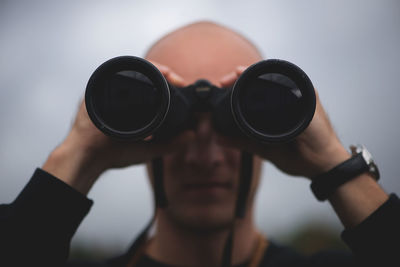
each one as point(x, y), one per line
point(373, 169)
point(367, 156)
point(360, 149)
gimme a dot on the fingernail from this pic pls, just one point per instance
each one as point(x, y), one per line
point(148, 138)
point(240, 69)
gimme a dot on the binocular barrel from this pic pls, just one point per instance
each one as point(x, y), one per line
point(272, 101)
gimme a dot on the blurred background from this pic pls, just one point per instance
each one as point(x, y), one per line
point(49, 49)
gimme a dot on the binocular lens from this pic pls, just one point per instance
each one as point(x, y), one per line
point(272, 103)
point(127, 101)
point(127, 97)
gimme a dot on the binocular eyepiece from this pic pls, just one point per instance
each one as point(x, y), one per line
point(272, 101)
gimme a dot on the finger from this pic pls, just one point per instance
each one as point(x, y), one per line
point(175, 79)
point(162, 68)
point(230, 78)
point(177, 143)
point(170, 75)
point(240, 69)
point(148, 138)
point(127, 153)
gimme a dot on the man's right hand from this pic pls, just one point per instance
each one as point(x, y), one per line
point(87, 152)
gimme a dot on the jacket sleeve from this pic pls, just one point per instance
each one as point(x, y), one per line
point(376, 241)
point(37, 227)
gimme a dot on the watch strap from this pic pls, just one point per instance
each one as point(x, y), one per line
point(325, 184)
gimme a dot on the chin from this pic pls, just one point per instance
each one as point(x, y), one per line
point(203, 218)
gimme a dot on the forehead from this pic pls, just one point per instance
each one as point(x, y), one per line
point(203, 51)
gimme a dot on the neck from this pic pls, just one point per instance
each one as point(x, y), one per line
point(182, 247)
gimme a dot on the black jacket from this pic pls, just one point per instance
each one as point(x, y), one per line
point(36, 230)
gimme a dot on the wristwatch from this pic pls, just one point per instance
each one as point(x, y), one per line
point(325, 184)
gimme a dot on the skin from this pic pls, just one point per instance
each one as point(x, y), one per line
point(193, 229)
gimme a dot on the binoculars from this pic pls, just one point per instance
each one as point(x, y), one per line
point(272, 101)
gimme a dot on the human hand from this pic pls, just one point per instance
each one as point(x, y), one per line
point(87, 152)
point(314, 151)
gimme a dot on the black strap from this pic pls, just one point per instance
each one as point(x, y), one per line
point(245, 178)
point(159, 192)
point(227, 253)
point(160, 202)
point(325, 184)
point(246, 174)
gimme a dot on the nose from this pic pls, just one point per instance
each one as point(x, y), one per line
point(204, 152)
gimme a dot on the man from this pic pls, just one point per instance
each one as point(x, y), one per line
point(201, 172)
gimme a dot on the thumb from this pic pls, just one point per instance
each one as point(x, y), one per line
point(175, 144)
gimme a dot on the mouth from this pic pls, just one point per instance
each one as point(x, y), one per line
point(207, 188)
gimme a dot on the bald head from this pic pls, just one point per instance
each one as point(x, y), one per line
point(203, 50)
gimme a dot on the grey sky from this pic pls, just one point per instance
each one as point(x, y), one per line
point(48, 50)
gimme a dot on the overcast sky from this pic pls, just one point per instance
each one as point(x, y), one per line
point(48, 50)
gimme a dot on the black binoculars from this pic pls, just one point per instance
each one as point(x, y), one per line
point(272, 101)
